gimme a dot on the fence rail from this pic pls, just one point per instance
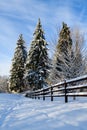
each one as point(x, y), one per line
point(66, 89)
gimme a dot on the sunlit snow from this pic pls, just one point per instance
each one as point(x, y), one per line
point(20, 113)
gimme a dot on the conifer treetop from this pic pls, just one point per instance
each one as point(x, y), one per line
point(20, 40)
point(39, 33)
point(65, 32)
point(64, 38)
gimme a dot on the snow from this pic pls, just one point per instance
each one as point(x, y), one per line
point(20, 113)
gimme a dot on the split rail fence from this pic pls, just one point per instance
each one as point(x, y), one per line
point(68, 88)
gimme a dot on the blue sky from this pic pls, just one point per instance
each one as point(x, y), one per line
point(21, 16)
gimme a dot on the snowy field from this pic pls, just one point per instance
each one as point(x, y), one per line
point(20, 113)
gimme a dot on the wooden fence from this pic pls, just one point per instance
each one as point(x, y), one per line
point(68, 88)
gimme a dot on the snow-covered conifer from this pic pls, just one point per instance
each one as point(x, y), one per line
point(37, 60)
point(62, 54)
point(16, 82)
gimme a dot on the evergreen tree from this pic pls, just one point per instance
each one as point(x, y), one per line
point(16, 82)
point(37, 60)
point(61, 61)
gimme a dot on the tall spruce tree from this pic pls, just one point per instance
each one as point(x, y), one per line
point(61, 61)
point(37, 60)
point(16, 83)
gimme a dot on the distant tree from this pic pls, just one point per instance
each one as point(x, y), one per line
point(37, 60)
point(3, 84)
point(62, 54)
point(16, 83)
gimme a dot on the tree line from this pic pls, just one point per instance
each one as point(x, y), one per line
point(34, 69)
point(3, 84)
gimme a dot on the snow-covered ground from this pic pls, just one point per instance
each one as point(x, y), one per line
point(20, 113)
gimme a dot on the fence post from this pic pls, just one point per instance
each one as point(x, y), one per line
point(66, 97)
point(32, 96)
point(51, 93)
point(35, 96)
point(38, 97)
point(43, 95)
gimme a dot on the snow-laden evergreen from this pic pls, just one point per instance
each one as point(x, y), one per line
point(37, 60)
point(62, 54)
point(16, 83)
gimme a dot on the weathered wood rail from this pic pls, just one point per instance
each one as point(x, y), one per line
point(68, 88)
